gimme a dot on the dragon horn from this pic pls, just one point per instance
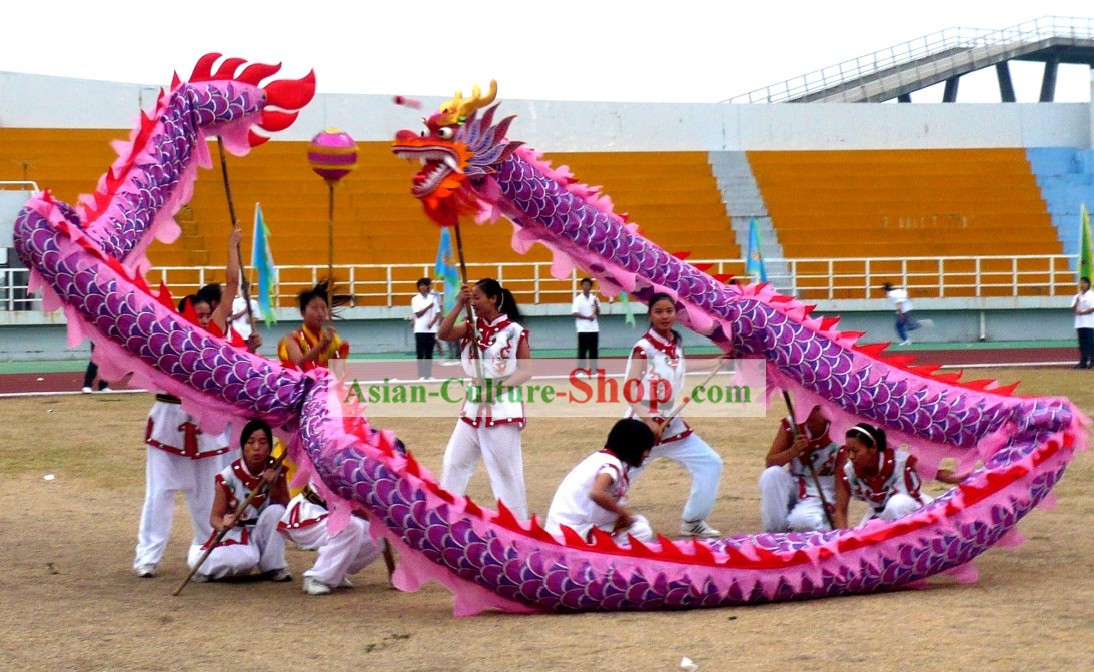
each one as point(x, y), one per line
point(459, 108)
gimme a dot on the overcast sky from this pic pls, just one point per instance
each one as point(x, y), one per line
point(679, 51)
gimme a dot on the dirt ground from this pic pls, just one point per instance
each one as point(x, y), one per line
point(70, 600)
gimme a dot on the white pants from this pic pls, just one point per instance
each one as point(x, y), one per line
point(264, 549)
point(499, 447)
point(705, 466)
point(166, 474)
point(780, 508)
point(347, 552)
point(898, 506)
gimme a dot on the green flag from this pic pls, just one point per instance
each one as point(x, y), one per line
point(1086, 243)
point(628, 315)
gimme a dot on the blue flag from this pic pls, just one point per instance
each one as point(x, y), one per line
point(263, 263)
point(445, 268)
point(754, 264)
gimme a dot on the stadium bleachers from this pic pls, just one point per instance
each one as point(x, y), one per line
point(823, 205)
point(671, 195)
point(908, 203)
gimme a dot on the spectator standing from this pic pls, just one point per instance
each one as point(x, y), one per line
point(1083, 307)
point(427, 315)
point(586, 310)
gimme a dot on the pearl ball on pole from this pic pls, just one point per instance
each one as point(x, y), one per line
point(332, 155)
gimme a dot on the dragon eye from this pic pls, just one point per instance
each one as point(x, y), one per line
point(424, 132)
point(445, 133)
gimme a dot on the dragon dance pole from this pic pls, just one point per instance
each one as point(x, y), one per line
point(472, 327)
point(809, 462)
point(244, 284)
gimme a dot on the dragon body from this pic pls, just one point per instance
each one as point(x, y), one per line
point(88, 260)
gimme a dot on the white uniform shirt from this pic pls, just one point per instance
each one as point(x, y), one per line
point(899, 297)
point(573, 507)
point(663, 376)
point(585, 305)
point(1085, 301)
point(896, 474)
point(240, 325)
point(498, 344)
point(424, 324)
point(823, 453)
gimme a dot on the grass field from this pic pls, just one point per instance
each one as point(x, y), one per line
point(71, 601)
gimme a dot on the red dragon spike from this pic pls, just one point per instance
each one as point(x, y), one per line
point(204, 67)
point(227, 69)
point(254, 139)
point(273, 121)
point(256, 72)
point(292, 94)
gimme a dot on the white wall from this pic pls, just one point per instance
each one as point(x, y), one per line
point(54, 102)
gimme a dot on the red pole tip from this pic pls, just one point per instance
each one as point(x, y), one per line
point(407, 102)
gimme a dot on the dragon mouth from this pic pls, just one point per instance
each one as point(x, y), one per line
point(437, 164)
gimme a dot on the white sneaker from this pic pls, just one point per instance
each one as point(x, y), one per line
point(698, 528)
point(106, 389)
point(346, 583)
point(315, 587)
point(279, 575)
point(146, 571)
point(87, 390)
point(905, 343)
point(201, 578)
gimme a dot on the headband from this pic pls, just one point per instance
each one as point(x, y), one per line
point(867, 434)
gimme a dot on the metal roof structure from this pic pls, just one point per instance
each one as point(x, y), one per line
point(944, 56)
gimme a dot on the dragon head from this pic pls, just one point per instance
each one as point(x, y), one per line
point(457, 150)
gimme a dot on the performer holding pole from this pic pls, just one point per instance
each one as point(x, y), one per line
point(494, 353)
point(657, 366)
point(246, 533)
point(798, 483)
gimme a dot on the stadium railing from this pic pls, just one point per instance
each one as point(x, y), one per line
point(952, 45)
point(391, 285)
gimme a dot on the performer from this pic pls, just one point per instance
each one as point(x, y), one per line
point(885, 479)
point(347, 552)
point(313, 345)
point(586, 310)
point(594, 493)
point(657, 364)
point(252, 540)
point(181, 457)
point(490, 421)
point(789, 500)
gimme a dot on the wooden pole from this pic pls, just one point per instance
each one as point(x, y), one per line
point(809, 462)
point(687, 400)
point(473, 332)
point(243, 283)
point(330, 234)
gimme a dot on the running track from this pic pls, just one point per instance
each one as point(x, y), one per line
point(17, 384)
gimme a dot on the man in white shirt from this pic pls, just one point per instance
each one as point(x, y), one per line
point(240, 324)
point(427, 315)
point(904, 320)
point(586, 309)
point(1083, 307)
